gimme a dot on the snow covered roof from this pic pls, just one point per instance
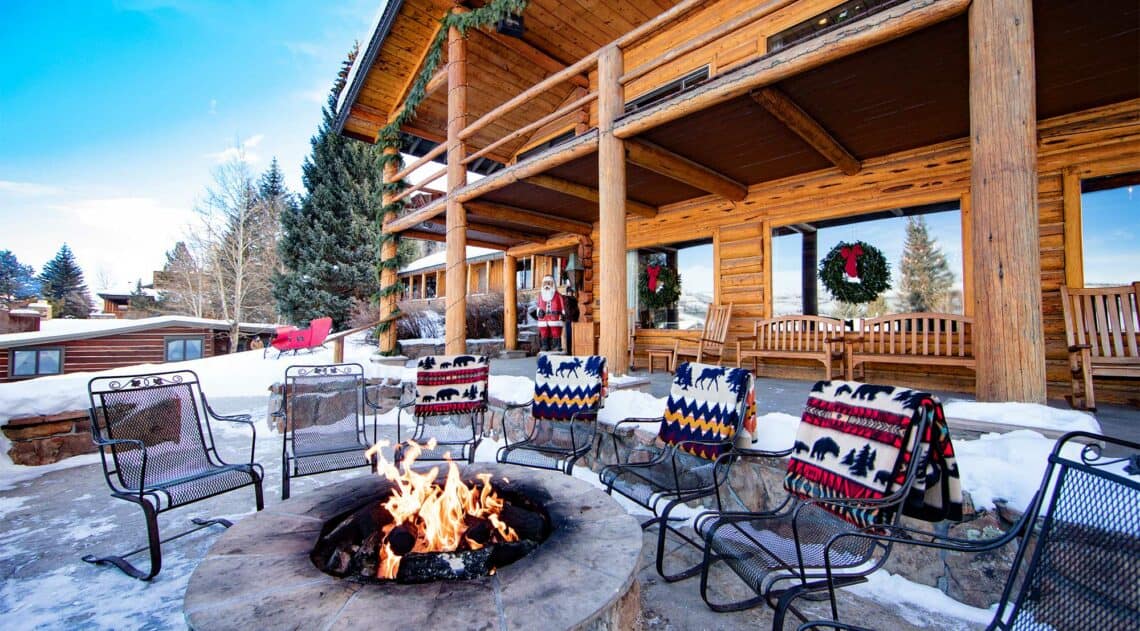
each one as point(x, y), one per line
point(61, 330)
point(440, 258)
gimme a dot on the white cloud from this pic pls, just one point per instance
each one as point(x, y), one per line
point(318, 95)
point(27, 189)
point(244, 151)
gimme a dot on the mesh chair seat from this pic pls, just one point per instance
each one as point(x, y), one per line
point(645, 483)
point(762, 551)
point(216, 480)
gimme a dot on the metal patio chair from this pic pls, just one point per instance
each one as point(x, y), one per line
point(158, 451)
point(851, 471)
point(448, 404)
point(568, 392)
point(1077, 564)
point(323, 410)
point(706, 407)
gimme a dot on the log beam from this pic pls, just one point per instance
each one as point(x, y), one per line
point(557, 242)
point(455, 312)
point(503, 212)
point(388, 251)
point(1003, 198)
point(664, 162)
point(437, 81)
point(611, 213)
point(510, 303)
point(497, 231)
point(581, 191)
point(424, 235)
point(788, 112)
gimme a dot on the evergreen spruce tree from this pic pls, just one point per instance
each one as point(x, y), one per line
point(63, 286)
point(17, 281)
point(330, 243)
point(926, 276)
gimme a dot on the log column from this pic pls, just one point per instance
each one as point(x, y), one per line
point(1008, 339)
point(455, 314)
point(387, 253)
point(611, 202)
point(510, 303)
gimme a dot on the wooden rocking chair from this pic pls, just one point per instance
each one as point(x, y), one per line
point(711, 342)
point(1102, 331)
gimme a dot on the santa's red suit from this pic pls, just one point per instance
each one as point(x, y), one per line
point(549, 311)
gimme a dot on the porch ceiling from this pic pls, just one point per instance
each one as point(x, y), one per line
point(905, 94)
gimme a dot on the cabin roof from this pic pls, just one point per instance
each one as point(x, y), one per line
point(439, 259)
point(65, 330)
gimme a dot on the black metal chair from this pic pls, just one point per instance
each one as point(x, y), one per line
point(568, 392)
point(323, 409)
point(702, 417)
point(448, 404)
point(1077, 564)
point(158, 451)
point(780, 553)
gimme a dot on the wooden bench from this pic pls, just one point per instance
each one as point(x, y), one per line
point(920, 339)
point(792, 337)
point(1102, 325)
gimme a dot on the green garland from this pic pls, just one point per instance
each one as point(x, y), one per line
point(668, 288)
point(873, 271)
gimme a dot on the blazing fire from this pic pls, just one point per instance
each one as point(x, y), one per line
point(427, 517)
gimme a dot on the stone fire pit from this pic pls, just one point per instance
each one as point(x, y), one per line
point(584, 576)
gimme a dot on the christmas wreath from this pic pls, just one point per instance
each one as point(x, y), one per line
point(658, 287)
point(855, 272)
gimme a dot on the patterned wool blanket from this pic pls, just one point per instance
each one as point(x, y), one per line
point(708, 404)
point(566, 385)
point(855, 441)
point(451, 384)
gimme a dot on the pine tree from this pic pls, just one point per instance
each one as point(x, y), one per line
point(926, 276)
point(864, 462)
point(63, 286)
point(329, 244)
point(17, 281)
point(184, 285)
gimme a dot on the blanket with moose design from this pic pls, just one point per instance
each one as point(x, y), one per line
point(707, 403)
point(451, 384)
point(565, 386)
point(855, 441)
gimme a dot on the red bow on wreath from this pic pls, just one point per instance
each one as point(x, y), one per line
point(652, 271)
point(850, 255)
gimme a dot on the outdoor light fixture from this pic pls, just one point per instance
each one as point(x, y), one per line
point(511, 25)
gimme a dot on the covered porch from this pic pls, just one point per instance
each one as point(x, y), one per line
point(1002, 109)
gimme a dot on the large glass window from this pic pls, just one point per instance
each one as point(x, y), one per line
point(183, 348)
point(1110, 226)
point(31, 363)
point(691, 264)
point(922, 245)
point(524, 273)
point(429, 286)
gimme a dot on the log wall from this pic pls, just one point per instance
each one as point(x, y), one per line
point(1087, 144)
point(113, 351)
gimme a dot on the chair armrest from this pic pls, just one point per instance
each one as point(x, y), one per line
point(746, 338)
point(644, 419)
point(854, 339)
point(137, 444)
point(237, 418)
point(1079, 347)
point(830, 624)
point(745, 452)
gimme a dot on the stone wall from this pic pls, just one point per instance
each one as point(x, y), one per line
point(490, 348)
point(38, 440)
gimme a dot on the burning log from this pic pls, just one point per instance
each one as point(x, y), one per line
point(526, 523)
point(402, 539)
point(479, 530)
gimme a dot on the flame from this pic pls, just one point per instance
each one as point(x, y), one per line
point(437, 515)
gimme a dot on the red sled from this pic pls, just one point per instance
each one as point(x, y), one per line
point(290, 338)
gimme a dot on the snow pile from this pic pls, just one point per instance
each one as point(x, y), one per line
point(510, 389)
point(1024, 415)
point(623, 404)
point(1006, 466)
point(775, 431)
point(918, 600)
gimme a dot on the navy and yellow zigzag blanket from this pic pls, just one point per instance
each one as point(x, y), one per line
point(568, 385)
point(708, 404)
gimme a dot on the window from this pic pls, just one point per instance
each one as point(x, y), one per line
point(1110, 229)
point(429, 287)
point(693, 263)
point(826, 21)
point(31, 363)
point(183, 348)
point(524, 273)
point(933, 233)
point(673, 88)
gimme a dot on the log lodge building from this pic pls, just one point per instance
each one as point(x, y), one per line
point(612, 129)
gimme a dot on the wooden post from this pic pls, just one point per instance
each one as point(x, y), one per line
point(388, 252)
point(1008, 343)
point(611, 202)
point(338, 349)
point(455, 313)
point(510, 303)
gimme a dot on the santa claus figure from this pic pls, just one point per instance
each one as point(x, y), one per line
point(549, 314)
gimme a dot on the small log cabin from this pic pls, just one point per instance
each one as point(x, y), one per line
point(66, 346)
point(424, 279)
point(757, 129)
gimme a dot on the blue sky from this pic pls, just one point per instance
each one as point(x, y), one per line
point(113, 114)
point(1111, 234)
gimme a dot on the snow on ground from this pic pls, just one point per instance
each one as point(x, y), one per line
point(919, 601)
point(1006, 466)
point(1024, 415)
point(440, 340)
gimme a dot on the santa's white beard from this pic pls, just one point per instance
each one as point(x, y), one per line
point(547, 294)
